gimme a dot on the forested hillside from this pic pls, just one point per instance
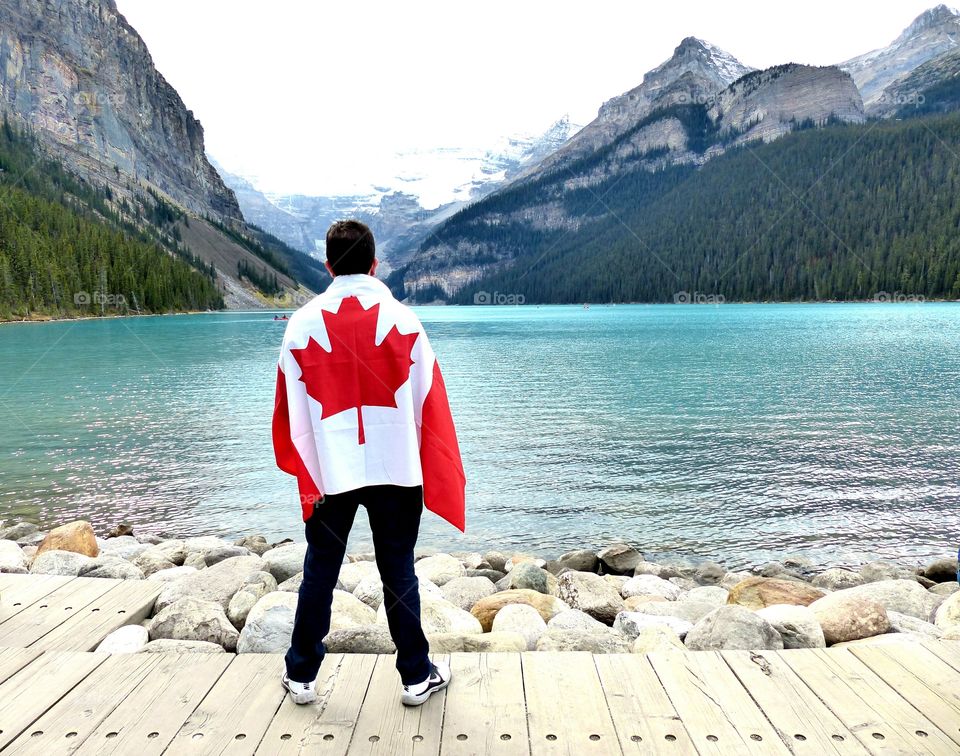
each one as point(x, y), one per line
point(840, 212)
point(66, 249)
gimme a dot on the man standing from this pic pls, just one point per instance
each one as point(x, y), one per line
point(362, 417)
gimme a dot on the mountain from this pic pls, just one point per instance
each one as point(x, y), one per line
point(82, 78)
point(932, 33)
point(396, 211)
point(693, 75)
point(933, 87)
point(683, 114)
point(846, 211)
point(79, 84)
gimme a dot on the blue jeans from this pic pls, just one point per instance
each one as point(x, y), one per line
point(394, 514)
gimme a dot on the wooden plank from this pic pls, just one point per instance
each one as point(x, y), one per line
point(237, 711)
point(12, 660)
point(880, 719)
point(801, 719)
point(30, 625)
point(948, 651)
point(327, 727)
point(485, 710)
point(127, 604)
point(642, 714)
point(566, 710)
point(922, 678)
point(387, 727)
point(18, 592)
point(716, 710)
point(27, 694)
point(153, 712)
point(71, 720)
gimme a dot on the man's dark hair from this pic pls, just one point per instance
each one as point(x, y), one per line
point(350, 247)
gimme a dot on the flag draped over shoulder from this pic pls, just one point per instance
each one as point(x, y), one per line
point(360, 401)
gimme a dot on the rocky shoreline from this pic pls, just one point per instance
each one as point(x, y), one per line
point(240, 597)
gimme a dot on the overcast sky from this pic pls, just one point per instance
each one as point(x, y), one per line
point(319, 97)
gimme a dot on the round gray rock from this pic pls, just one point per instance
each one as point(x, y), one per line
point(620, 558)
point(217, 583)
point(798, 625)
point(591, 594)
point(194, 619)
point(286, 561)
point(56, 562)
point(464, 592)
point(605, 641)
point(733, 627)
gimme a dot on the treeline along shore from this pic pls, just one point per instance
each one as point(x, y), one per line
point(241, 596)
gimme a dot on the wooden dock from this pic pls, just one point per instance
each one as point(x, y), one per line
point(902, 698)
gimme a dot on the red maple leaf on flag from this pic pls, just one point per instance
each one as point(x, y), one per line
point(356, 372)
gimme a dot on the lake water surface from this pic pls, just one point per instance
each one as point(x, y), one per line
point(739, 433)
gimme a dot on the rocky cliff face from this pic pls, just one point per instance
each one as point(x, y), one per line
point(931, 34)
point(931, 87)
point(768, 104)
point(694, 74)
point(83, 79)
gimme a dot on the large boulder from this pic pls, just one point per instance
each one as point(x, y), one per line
point(17, 532)
point(837, 578)
point(845, 617)
point(944, 589)
point(619, 559)
point(798, 625)
point(631, 624)
point(362, 639)
point(464, 592)
point(76, 536)
point(125, 547)
point(650, 585)
point(60, 563)
point(152, 561)
point(497, 560)
point(758, 592)
point(942, 571)
point(194, 619)
point(648, 568)
point(591, 594)
point(903, 596)
point(706, 594)
point(111, 567)
point(440, 616)
point(12, 558)
point(880, 570)
point(348, 611)
point(170, 574)
point(255, 544)
point(904, 623)
point(486, 608)
point(947, 616)
point(448, 643)
point(254, 587)
point(171, 646)
point(439, 569)
point(217, 583)
point(528, 575)
point(733, 627)
point(691, 611)
point(269, 624)
point(574, 619)
point(632, 603)
point(709, 573)
point(212, 556)
point(353, 572)
point(581, 560)
point(605, 641)
point(286, 561)
point(523, 619)
point(129, 639)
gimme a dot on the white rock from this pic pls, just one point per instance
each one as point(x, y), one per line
point(254, 588)
point(125, 547)
point(797, 625)
point(269, 624)
point(171, 573)
point(285, 561)
point(217, 583)
point(439, 569)
point(714, 595)
point(574, 619)
point(733, 627)
point(348, 611)
point(56, 562)
point(12, 558)
point(129, 639)
point(194, 619)
point(352, 573)
point(657, 639)
point(650, 585)
point(464, 592)
point(523, 619)
point(440, 616)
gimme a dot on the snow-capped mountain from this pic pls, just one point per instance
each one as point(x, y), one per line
point(430, 186)
point(932, 33)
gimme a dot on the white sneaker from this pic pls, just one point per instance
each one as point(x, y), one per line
point(414, 695)
point(300, 693)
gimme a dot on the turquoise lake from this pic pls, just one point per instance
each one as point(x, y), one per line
point(739, 433)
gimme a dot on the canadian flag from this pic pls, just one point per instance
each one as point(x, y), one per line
point(360, 401)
